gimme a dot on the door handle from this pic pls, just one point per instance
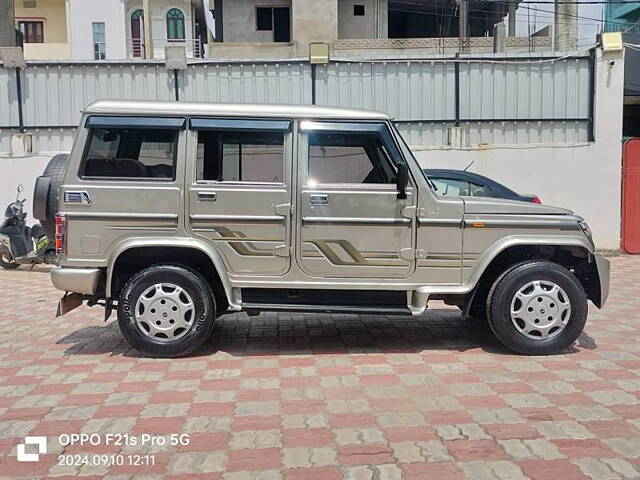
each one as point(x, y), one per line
point(319, 199)
point(207, 196)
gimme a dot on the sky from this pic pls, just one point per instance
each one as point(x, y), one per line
point(540, 15)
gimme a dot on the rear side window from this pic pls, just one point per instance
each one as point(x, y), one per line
point(237, 156)
point(124, 153)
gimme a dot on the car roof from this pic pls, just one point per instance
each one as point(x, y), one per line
point(460, 174)
point(126, 107)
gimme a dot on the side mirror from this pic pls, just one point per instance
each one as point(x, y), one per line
point(403, 180)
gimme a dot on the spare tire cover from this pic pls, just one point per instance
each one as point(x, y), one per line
point(55, 171)
point(40, 194)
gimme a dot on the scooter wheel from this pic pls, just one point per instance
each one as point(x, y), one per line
point(6, 260)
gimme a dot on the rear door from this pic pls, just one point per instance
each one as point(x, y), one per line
point(350, 220)
point(129, 182)
point(239, 196)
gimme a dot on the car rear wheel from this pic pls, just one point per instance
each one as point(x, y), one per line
point(537, 308)
point(166, 311)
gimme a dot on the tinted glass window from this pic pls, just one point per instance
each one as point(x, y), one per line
point(477, 190)
point(130, 153)
point(264, 18)
point(451, 188)
point(348, 158)
point(241, 156)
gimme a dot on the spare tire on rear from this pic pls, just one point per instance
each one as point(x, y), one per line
point(46, 193)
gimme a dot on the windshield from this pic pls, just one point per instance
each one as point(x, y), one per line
point(406, 151)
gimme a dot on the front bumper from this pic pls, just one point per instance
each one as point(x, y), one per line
point(76, 280)
point(603, 267)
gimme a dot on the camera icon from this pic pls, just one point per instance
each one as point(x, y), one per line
point(23, 456)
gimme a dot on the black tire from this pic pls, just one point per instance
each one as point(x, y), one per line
point(202, 322)
point(478, 308)
point(510, 282)
point(55, 171)
point(6, 260)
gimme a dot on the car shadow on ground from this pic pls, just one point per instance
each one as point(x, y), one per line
point(308, 334)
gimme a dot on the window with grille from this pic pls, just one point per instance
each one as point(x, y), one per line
point(99, 43)
point(33, 32)
point(175, 24)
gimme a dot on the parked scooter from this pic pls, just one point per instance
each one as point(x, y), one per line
point(20, 244)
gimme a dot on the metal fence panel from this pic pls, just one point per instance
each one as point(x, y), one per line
point(287, 82)
point(54, 95)
point(425, 133)
point(405, 90)
point(526, 132)
point(8, 98)
point(528, 91)
point(500, 102)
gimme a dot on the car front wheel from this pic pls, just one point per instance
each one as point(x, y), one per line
point(166, 311)
point(537, 308)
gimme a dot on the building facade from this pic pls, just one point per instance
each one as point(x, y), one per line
point(622, 16)
point(105, 29)
point(255, 29)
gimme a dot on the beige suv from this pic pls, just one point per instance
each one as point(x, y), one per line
point(177, 213)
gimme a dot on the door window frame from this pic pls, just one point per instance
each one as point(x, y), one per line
point(133, 122)
point(379, 128)
point(226, 124)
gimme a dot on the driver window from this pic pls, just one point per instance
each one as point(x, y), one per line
point(348, 158)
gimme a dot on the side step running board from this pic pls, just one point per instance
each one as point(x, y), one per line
point(288, 307)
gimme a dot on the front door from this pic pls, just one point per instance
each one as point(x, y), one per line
point(137, 36)
point(239, 196)
point(350, 220)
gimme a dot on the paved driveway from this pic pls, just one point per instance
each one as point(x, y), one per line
point(318, 396)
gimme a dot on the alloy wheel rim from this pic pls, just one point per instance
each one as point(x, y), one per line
point(540, 310)
point(165, 312)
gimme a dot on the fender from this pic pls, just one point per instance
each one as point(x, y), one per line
point(421, 295)
point(181, 242)
point(525, 241)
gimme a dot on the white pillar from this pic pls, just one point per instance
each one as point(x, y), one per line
point(148, 34)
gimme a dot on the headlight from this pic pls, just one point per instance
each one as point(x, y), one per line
point(584, 226)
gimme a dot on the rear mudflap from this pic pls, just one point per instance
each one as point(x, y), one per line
point(68, 302)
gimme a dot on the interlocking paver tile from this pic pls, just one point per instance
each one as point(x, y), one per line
point(324, 397)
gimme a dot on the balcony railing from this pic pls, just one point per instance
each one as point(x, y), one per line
point(137, 49)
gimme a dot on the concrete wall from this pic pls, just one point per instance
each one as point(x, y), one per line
point(47, 51)
point(20, 171)
point(111, 12)
point(313, 21)
point(374, 23)
point(583, 177)
point(239, 20)
point(250, 50)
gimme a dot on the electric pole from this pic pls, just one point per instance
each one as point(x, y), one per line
point(565, 28)
point(463, 18)
point(7, 24)
point(512, 18)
